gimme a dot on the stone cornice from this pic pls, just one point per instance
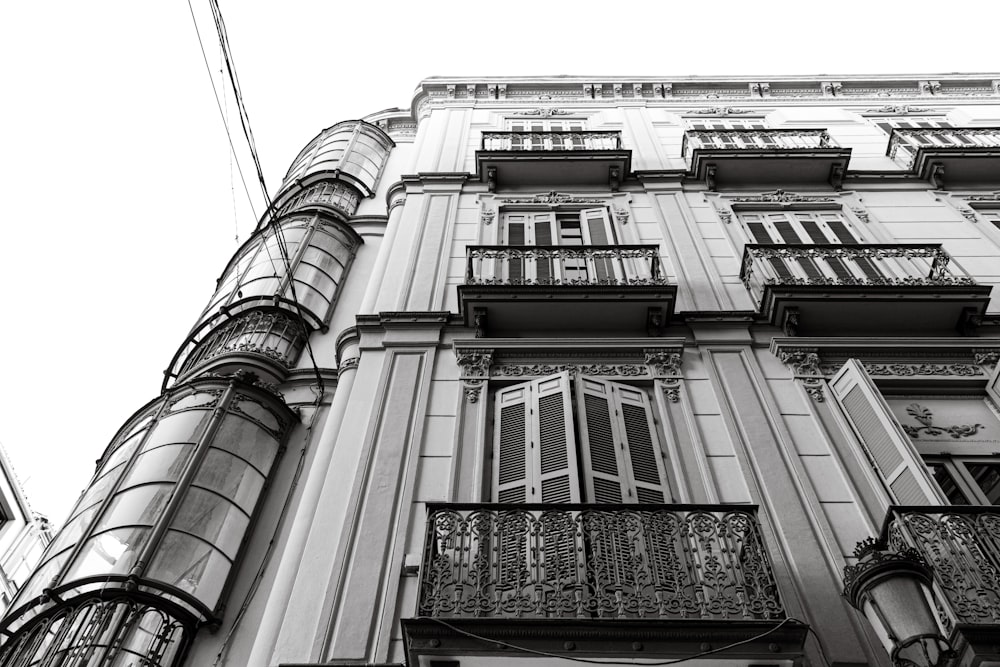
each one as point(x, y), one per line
point(900, 358)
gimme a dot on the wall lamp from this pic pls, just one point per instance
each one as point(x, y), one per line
point(893, 590)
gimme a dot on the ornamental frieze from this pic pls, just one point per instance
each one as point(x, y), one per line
point(537, 370)
point(779, 196)
point(911, 370)
point(552, 197)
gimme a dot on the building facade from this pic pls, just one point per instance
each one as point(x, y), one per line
point(557, 368)
point(24, 534)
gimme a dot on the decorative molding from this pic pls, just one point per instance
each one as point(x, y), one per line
point(992, 197)
point(876, 369)
point(487, 216)
point(349, 364)
point(472, 389)
point(475, 363)
point(621, 216)
point(804, 363)
point(986, 357)
point(861, 214)
point(543, 112)
point(720, 111)
point(664, 362)
point(779, 196)
point(672, 389)
point(925, 417)
point(537, 370)
point(552, 197)
point(898, 109)
point(969, 214)
point(832, 88)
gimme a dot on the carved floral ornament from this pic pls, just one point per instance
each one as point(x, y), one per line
point(779, 196)
point(552, 197)
point(925, 417)
point(812, 371)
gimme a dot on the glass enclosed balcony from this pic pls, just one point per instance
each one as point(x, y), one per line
point(861, 289)
point(949, 156)
point(548, 286)
point(543, 159)
point(661, 572)
point(733, 158)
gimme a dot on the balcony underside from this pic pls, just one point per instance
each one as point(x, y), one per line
point(965, 166)
point(734, 168)
point(847, 310)
point(430, 639)
point(516, 309)
point(578, 168)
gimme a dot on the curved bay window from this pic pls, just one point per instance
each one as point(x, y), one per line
point(354, 151)
point(165, 516)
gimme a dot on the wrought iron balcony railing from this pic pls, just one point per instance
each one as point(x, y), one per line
point(905, 144)
point(597, 561)
point(552, 141)
point(564, 265)
point(875, 265)
point(754, 140)
point(962, 546)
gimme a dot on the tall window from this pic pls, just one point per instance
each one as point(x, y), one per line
point(586, 440)
point(565, 228)
point(810, 228)
point(927, 449)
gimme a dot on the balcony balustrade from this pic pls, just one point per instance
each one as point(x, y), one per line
point(551, 141)
point(726, 158)
point(531, 159)
point(543, 287)
point(949, 156)
point(962, 546)
point(267, 342)
point(597, 561)
point(860, 289)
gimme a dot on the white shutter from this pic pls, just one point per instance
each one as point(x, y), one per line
point(887, 445)
point(993, 387)
point(620, 450)
point(595, 225)
point(534, 449)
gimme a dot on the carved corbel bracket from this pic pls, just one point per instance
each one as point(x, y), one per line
point(665, 367)
point(986, 357)
point(491, 179)
point(804, 364)
point(475, 366)
point(710, 172)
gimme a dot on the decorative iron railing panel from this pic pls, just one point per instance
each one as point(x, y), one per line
point(552, 141)
point(754, 140)
point(269, 334)
point(906, 143)
point(564, 265)
point(100, 632)
point(603, 561)
point(874, 265)
point(962, 546)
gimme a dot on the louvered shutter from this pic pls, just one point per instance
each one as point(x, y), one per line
point(534, 448)
point(844, 234)
point(755, 225)
point(511, 440)
point(596, 227)
point(788, 235)
point(644, 462)
point(886, 444)
point(515, 234)
point(818, 236)
point(620, 450)
point(541, 235)
point(993, 387)
point(555, 454)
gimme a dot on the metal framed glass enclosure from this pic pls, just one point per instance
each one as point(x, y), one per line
point(146, 555)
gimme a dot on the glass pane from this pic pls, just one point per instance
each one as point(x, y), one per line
point(123, 452)
point(96, 493)
point(179, 427)
point(256, 411)
point(231, 477)
point(163, 464)
point(947, 484)
point(987, 477)
point(199, 399)
point(41, 579)
point(73, 531)
point(191, 565)
point(248, 441)
point(141, 506)
point(213, 518)
point(113, 552)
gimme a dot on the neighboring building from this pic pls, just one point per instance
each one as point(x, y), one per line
point(23, 534)
point(729, 321)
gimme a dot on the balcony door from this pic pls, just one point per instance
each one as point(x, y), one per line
point(556, 248)
point(722, 137)
point(822, 228)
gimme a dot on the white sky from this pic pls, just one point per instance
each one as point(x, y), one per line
point(118, 212)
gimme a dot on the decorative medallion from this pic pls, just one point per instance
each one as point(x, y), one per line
point(779, 196)
point(552, 197)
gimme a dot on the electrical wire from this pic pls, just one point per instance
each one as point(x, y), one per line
point(215, 92)
point(268, 217)
point(663, 663)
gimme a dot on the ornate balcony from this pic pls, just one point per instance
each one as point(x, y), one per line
point(537, 288)
point(951, 157)
point(602, 575)
point(732, 158)
point(516, 159)
point(265, 342)
point(962, 546)
point(862, 289)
